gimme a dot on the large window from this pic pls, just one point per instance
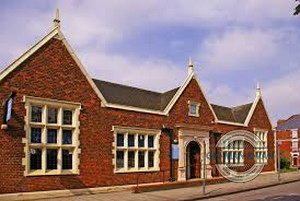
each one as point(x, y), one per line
point(261, 151)
point(52, 129)
point(136, 149)
point(234, 153)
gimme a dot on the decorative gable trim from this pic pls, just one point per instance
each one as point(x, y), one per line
point(251, 112)
point(58, 34)
point(83, 70)
point(27, 54)
point(230, 123)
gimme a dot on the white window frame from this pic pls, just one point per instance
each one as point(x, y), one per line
point(45, 103)
point(236, 147)
point(261, 152)
point(294, 133)
point(136, 132)
point(197, 108)
point(295, 148)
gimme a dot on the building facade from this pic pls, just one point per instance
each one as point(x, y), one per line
point(61, 129)
point(287, 132)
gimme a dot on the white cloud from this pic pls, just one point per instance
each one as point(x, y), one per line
point(153, 74)
point(227, 96)
point(258, 40)
point(282, 95)
point(108, 21)
point(238, 49)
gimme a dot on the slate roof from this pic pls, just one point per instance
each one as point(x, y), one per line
point(291, 123)
point(131, 96)
point(236, 114)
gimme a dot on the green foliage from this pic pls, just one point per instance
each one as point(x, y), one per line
point(285, 163)
point(297, 9)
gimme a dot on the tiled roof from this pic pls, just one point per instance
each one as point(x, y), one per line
point(135, 97)
point(291, 123)
point(234, 114)
point(140, 98)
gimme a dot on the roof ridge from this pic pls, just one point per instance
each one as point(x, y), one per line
point(133, 87)
point(242, 105)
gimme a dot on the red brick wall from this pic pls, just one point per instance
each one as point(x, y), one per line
point(286, 144)
point(259, 120)
point(52, 73)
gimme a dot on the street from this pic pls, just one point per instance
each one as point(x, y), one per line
point(284, 192)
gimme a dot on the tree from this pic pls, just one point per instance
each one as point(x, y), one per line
point(297, 9)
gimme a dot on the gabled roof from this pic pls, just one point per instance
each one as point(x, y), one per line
point(135, 97)
point(291, 123)
point(236, 114)
point(139, 100)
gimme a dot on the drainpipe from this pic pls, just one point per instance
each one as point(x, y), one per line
point(170, 133)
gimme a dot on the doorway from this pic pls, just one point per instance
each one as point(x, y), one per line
point(193, 160)
point(295, 161)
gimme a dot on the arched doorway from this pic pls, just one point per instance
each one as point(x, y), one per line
point(193, 160)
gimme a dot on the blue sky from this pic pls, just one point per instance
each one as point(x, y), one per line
point(234, 44)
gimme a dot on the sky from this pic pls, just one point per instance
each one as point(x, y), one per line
point(234, 44)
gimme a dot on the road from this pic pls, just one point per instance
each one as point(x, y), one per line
point(284, 192)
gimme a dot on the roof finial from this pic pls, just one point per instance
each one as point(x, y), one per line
point(191, 66)
point(258, 91)
point(56, 21)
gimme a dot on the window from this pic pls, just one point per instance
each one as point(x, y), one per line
point(52, 115)
point(36, 114)
point(234, 153)
point(193, 109)
point(295, 145)
point(136, 149)
point(67, 137)
point(261, 151)
point(120, 140)
point(52, 137)
point(295, 133)
point(67, 117)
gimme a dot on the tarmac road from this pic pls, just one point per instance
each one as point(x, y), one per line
point(285, 192)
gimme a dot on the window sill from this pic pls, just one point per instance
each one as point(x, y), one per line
point(193, 115)
point(234, 165)
point(133, 170)
point(51, 173)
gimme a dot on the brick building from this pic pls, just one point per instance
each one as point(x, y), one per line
point(61, 129)
point(287, 131)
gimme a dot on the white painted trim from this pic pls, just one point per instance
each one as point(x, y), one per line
point(178, 93)
point(60, 105)
point(136, 132)
point(28, 53)
point(205, 97)
point(230, 123)
point(197, 104)
point(182, 88)
point(38, 45)
point(83, 70)
point(251, 112)
point(134, 109)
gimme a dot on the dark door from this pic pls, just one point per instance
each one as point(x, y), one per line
point(193, 160)
point(295, 161)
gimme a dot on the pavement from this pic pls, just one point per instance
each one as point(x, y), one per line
point(191, 193)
